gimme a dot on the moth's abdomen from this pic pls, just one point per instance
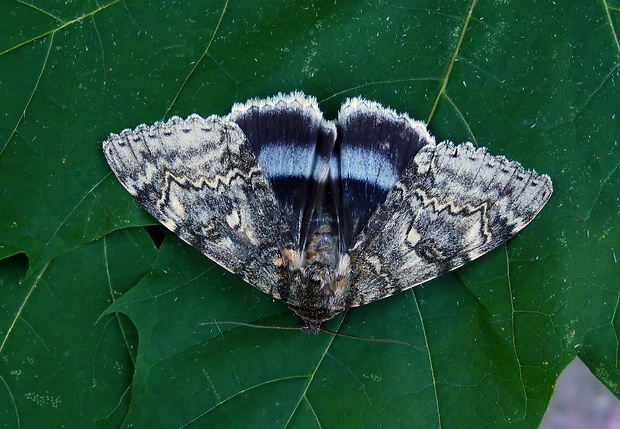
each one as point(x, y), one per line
point(322, 245)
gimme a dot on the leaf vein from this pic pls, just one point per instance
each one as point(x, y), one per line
point(430, 359)
point(455, 54)
point(22, 306)
point(611, 24)
point(197, 63)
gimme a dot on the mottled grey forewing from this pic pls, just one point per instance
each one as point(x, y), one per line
point(200, 178)
point(450, 205)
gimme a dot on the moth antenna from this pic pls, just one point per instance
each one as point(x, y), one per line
point(327, 331)
point(373, 340)
point(249, 325)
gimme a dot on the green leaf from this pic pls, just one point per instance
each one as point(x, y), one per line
point(63, 365)
point(483, 346)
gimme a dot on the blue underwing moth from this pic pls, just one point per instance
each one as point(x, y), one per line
point(324, 214)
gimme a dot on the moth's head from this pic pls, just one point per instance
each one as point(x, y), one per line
point(318, 292)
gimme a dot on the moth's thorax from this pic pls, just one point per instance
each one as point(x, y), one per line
point(319, 277)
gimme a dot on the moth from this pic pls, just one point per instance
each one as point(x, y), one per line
point(324, 215)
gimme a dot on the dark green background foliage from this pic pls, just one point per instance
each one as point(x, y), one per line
point(100, 328)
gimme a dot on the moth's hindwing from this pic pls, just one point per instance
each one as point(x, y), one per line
point(374, 146)
point(450, 205)
point(200, 178)
point(293, 145)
